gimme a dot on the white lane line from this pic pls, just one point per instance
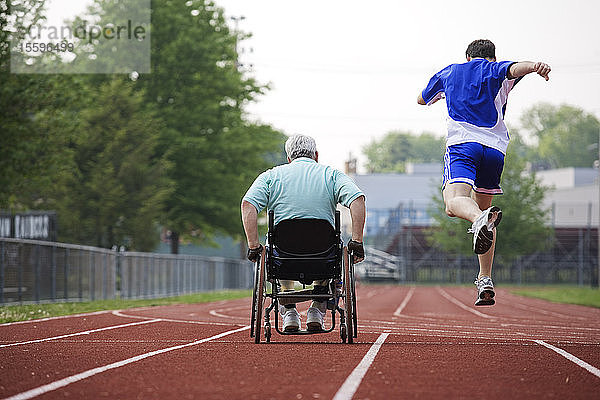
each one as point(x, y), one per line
point(461, 305)
point(38, 391)
point(571, 357)
point(30, 321)
point(404, 302)
point(351, 384)
point(217, 312)
point(107, 328)
point(183, 321)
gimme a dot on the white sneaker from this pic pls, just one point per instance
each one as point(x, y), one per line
point(485, 291)
point(314, 319)
point(482, 229)
point(291, 320)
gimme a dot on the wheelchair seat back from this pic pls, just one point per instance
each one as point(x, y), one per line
point(304, 250)
point(304, 236)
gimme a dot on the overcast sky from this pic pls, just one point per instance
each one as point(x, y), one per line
point(347, 72)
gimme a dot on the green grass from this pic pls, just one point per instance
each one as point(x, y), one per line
point(27, 312)
point(569, 294)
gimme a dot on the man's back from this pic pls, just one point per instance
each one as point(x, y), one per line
point(302, 189)
point(476, 93)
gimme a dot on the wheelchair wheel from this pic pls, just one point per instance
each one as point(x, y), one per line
point(343, 333)
point(259, 289)
point(354, 310)
point(255, 287)
point(348, 299)
point(268, 332)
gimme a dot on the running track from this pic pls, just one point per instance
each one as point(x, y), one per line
point(414, 342)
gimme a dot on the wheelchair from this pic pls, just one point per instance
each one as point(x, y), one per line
point(304, 250)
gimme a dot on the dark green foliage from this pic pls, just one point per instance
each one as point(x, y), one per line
point(34, 130)
point(116, 157)
point(566, 136)
point(116, 192)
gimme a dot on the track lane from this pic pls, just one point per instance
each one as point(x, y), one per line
point(430, 340)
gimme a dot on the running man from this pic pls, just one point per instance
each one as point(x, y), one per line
point(476, 94)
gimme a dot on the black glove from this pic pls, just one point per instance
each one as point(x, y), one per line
point(356, 249)
point(253, 254)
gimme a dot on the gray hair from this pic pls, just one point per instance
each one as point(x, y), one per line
point(300, 146)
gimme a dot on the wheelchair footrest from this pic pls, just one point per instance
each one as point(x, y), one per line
point(305, 332)
point(297, 298)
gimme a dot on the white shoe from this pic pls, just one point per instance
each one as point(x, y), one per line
point(291, 320)
point(314, 319)
point(485, 291)
point(482, 229)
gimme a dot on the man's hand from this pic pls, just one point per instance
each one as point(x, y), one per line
point(253, 254)
point(523, 68)
point(357, 250)
point(542, 69)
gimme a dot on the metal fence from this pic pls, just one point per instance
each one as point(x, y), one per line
point(145, 275)
point(572, 259)
point(34, 271)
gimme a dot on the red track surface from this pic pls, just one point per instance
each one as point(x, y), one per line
point(431, 343)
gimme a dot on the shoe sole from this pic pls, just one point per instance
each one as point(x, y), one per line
point(485, 238)
point(314, 327)
point(484, 241)
point(291, 328)
point(486, 298)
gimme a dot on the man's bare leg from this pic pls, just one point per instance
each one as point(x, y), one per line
point(484, 201)
point(461, 201)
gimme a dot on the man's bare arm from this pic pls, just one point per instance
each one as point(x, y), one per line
point(526, 67)
point(357, 213)
point(250, 222)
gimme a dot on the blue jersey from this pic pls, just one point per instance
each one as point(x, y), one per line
point(476, 93)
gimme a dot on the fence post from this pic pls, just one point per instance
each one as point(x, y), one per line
point(580, 259)
point(53, 255)
point(2, 273)
point(20, 275)
point(151, 276)
point(219, 274)
point(104, 275)
point(66, 274)
point(37, 273)
point(80, 276)
point(92, 276)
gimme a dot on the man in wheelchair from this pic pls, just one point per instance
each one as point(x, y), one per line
point(303, 189)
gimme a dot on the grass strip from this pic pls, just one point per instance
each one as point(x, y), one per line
point(25, 312)
point(570, 295)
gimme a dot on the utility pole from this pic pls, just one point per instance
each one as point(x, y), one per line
point(238, 49)
point(597, 283)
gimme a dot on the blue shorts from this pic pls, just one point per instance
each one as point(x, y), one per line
point(474, 164)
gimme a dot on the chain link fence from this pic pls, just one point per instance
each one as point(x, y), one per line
point(34, 271)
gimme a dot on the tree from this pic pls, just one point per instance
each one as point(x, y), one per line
point(566, 136)
point(116, 192)
point(523, 217)
point(394, 150)
point(200, 95)
point(35, 131)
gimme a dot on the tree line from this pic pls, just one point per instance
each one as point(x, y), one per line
point(118, 156)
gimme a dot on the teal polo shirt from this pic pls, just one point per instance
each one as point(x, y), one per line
point(302, 189)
